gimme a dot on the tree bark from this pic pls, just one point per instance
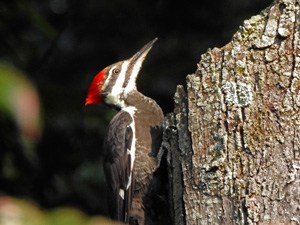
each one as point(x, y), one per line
point(234, 138)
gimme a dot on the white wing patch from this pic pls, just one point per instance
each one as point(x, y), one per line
point(131, 110)
point(121, 193)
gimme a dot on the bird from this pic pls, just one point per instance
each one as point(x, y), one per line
point(132, 139)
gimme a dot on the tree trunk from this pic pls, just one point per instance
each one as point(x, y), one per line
point(234, 138)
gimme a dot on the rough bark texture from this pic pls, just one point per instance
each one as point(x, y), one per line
point(234, 139)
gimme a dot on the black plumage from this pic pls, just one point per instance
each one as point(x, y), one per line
point(116, 164)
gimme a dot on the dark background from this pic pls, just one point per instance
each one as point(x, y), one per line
point(60, 45)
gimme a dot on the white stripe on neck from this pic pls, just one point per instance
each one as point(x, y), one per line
point(131, 110)
point(132, 79)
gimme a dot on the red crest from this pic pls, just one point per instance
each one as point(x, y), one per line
point(95, 89)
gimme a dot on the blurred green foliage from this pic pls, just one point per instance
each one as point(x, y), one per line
point(60, 45)
point(19, 98)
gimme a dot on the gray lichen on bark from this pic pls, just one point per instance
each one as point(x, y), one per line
point(237, 136)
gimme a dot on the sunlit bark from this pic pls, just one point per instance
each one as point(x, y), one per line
point(234, 138)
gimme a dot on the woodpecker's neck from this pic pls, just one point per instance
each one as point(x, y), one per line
point(147, 108)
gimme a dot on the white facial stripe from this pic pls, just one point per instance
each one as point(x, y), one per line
point(114, 96)
point(108, 77)
point(131, 111)
point(117, 89)
point(132, 80)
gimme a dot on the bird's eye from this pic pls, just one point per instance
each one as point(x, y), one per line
point(116, 71)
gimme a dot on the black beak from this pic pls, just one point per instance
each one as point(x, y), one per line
point(141, 54)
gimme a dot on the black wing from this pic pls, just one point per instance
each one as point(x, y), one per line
point(117, 166)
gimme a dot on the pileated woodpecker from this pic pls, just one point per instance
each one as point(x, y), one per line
point(131, 137)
